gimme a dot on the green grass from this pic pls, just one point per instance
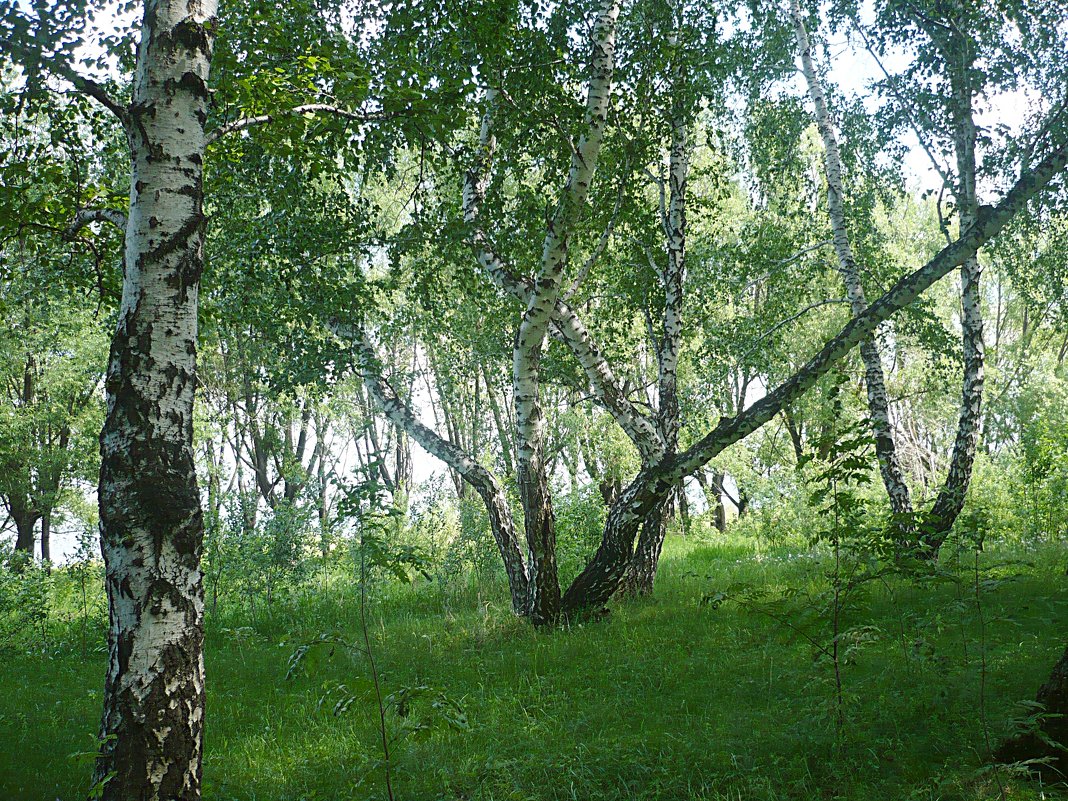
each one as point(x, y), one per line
point(667, 698)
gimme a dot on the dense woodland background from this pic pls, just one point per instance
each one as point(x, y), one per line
point(512, 400)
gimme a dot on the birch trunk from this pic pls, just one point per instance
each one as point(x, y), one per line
point(878, 403)
point(489, 489)
point(530, 339)
point(150, 517)
point(593, 587)
point(951, 497)
point(566, 323)
point(641, 573)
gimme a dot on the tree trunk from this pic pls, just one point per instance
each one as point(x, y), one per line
point(592, 588)
point(151, 524)
point(878, 403)
point(641, 570)
point(1053, 697)
point(25, 521)
point(46, 533)
point(530, 338)
point(463, 464)
point(950, 500)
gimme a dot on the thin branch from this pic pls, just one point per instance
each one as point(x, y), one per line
point(310, 108)
point(790, 319)
point(943, 174)
point(57, 67)
point(785, 262)
point(602, 243)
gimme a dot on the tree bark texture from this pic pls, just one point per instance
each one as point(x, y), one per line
point(539, 522)
point(950, 501)
point(641, 573)
point(151, 523)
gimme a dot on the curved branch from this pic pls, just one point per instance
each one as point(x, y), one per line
point(86, 86)
point(86, 216)
point(481, 479)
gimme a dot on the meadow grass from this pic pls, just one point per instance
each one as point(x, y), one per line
point(668, 697)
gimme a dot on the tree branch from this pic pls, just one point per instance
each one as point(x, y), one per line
point(991, 221)
point(86, 86)
point(310, 108)
point(86, 216)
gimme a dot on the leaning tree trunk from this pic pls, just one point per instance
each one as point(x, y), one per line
point(878, 403)
point(1036, 745)
point(592, 588)
point(151, 524)
point(461, 463)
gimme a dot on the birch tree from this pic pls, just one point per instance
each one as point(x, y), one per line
point(961, 54)
point(548, 311)
point(897, 489)
point(151, 523)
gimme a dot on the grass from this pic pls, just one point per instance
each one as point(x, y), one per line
point(667, 698)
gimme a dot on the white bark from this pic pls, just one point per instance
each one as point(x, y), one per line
point(641, 572)
point(151, 524)
point(878, 402)
point(529, 341)
point(950, 500)
point(483, 481)
point(606, 388)
point(600, 579)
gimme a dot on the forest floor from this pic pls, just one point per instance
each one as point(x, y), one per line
point(685, 695)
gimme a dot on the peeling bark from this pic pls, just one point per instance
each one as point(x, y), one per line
point(151, 523)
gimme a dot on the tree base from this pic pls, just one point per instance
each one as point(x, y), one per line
point(1050, 743)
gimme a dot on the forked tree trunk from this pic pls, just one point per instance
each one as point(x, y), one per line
point(592, 588)
point(151, 523)
point(530, 338)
